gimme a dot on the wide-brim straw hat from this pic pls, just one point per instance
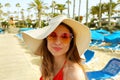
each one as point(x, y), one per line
point(33, 38)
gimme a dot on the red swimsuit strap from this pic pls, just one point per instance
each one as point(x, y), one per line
point(64, 63)
point(59, 75)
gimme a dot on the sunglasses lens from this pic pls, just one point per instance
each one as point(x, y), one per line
point(52, 36)
point(65, 37)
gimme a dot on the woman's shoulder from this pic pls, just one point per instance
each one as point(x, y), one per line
point(74, 71)
point(73, 66)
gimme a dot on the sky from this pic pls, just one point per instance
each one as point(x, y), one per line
point(24, 4)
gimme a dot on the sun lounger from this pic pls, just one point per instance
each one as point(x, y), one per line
point(89, 54)
point(111, 69)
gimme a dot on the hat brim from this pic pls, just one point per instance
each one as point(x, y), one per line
point(82, 35)
point(33, 38)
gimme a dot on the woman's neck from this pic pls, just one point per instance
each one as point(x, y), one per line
point(59, 61)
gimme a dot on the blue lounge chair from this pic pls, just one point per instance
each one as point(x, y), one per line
point(89, 54)
point(96, 42)
point(109, 71)
point(112, 47)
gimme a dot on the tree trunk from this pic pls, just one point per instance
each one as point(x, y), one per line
point(99, 14)
point(86, 12)
point(109, 15)
point(79, 10)
point(74, 9)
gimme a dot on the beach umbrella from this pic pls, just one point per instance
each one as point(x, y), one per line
point(113, 38)
point(96, 36)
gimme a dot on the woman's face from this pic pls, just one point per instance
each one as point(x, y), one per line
point(58, 41)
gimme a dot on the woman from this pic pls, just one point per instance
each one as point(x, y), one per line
point(61, 45)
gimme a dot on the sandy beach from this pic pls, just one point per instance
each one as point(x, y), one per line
point(18, 63)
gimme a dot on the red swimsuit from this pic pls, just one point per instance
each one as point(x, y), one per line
point(59, 75)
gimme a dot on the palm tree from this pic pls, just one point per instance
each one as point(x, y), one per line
point(1, 5)
point(60, 7)
point(1, 14)
point(110, 11)
point(100, 14)
point(8, 6)
point(109, 8)
point(22, 14)
point(86, 12)
point(79, 10)
point(68, 2)
point(18, 6)
point(118, 1)
point(44, 12)
point(38, 5)
point(94, 11)
point(1, 10)
point(53, 7)
point(28, 10)
point(15, 13)
point(73, 9)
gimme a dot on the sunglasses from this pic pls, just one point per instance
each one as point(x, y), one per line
point(65, 37)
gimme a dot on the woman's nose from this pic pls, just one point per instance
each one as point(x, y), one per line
point(58, 41)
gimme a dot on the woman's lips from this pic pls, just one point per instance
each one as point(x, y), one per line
point(57, 48)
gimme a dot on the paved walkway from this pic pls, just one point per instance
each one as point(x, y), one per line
point(16, 62)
